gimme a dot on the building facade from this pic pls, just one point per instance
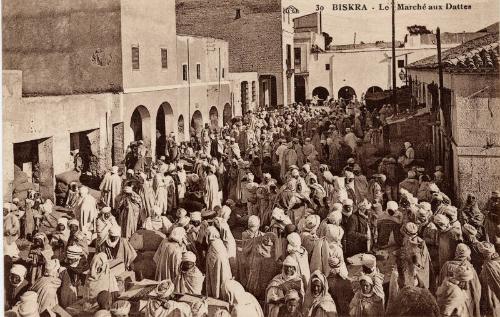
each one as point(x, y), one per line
point(308, 43)
point(344, 71)
point(260, 37)
point(94, 78)
point(466, 127)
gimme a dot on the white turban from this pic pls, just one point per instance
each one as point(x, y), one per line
point(178, 234)
point(19, 270)
point(294, 242)
point(115, 231)
point(195, 216)
point(188, 256)
point(392, 205)
point(253, 221)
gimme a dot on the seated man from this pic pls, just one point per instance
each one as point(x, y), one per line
point(16, 285)
point(105, 221)
point(162, 304)
point(119, 248)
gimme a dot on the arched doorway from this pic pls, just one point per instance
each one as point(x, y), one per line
point(300, 89)
point(346, 93)
point(197, 123)
point(140, 123)
point(227, 114)
point(375, 98)
point(164, 126)
point(374, 89)
point(214, 118)
point(180, 128)
point(321, 92)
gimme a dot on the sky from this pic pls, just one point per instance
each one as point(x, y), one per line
point(373, 25)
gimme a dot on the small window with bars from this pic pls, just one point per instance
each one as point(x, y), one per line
point(164, 58)
point(254, 93)
point(185, 72)
point(198, 71)
point(135, 58)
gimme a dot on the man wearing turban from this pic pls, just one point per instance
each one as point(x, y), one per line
point(414, 257)
point(157, 221)
point(366, 302)
point(168, 257)
point(110, 187)
point(299, 253)
point(490, 279)
point(100, 278)
point(448, 238)
point(27, 305)
point(47, 286)
point(211, 191)
point(118, 248)
point(86, 212)
point(105, 221)
point(218, 269)
point(463, 258)
point(318, 301)
point(328, 247)
point(288, 279)
point(129, 208)
point(452, 297)
point(161, 303)
point(16, 285)
point(72, 276)
point(241, 302)
point(39, 254)
point(190, 279)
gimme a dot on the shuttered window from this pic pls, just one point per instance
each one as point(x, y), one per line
point(135, 57)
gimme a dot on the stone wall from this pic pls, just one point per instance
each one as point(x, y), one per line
point(477, 132)
point(63, 47)
point(50, 120)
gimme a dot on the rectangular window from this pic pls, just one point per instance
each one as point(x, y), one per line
point(223, 72)
point(184, 72)
point(164, 58)
point(198, 71)
point(401, 63)
point(135, 57)
point(327, 66)
point(254, 92)
point(288, 56)
point(298, 57)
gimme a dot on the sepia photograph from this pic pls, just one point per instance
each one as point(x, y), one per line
point(250, 158)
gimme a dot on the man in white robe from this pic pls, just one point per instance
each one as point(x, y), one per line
point(168, 257)
point(211, 192)
point(86, 212)
point(111, 187)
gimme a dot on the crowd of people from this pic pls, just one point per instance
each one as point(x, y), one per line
point(319, 218)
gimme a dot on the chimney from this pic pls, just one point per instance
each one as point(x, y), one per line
point(238, 14)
